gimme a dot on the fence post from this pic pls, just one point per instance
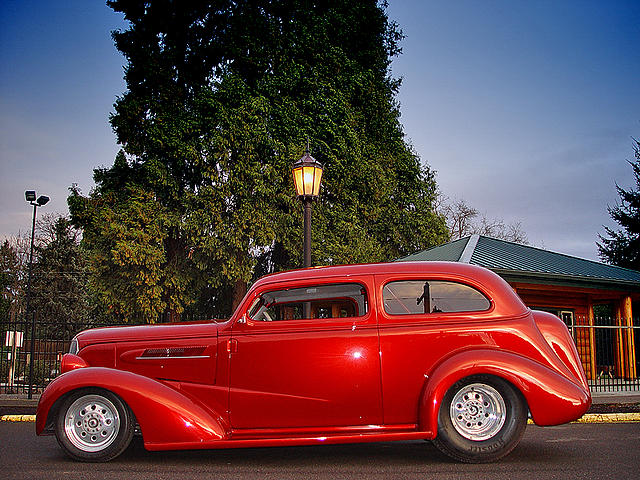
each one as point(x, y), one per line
point(629, 343)
point(12, 364)
point(619, 342)
point(592, 342)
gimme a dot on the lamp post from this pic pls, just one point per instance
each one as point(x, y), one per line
point(30, 196)
point(307, 175)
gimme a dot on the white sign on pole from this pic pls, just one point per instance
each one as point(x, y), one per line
point(14, 338)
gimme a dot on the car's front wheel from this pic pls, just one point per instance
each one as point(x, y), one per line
point(482, 418)
point(94, 425)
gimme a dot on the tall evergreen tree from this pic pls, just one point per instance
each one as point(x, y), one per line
point(10, 275)
point(14, 265)
point(60, 296)
point(222, 96)
point(622, 247)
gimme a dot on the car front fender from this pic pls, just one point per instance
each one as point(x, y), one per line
point(164, 414)
point(552, 398)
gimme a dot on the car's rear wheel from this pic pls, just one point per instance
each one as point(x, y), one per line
point(94, 425)
point(482, 418)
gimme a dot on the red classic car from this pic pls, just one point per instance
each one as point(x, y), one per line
point(362, 353)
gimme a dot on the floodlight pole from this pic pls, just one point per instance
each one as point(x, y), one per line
point(30, 196)
point(33, 317)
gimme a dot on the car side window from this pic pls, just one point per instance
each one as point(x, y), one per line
point(336, 300)
point(413, 297)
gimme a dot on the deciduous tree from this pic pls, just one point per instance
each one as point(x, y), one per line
point(464, 220)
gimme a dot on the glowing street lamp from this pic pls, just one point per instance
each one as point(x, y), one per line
point(307, 176)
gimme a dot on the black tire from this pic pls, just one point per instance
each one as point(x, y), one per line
point(482, 418)
point(94, 425)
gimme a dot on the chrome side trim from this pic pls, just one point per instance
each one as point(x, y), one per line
point(173, 358)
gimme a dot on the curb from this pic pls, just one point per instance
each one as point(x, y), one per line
point(588, 418)
point(609, 418)
point(18, 418)
point(604, 418)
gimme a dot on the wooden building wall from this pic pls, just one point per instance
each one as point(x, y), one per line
point(580, 301)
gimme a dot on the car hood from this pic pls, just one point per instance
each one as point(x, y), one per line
point(207, 328)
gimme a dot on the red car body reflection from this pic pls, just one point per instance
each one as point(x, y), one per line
point(359, 371)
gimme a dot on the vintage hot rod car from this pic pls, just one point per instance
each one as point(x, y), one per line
point(361, 353)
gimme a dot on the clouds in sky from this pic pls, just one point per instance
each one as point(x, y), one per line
point(524, 109)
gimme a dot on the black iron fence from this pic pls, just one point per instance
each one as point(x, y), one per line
point(610, 353)
point(51, 341)
point(609, 350)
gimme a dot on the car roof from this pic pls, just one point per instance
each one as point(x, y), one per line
point(428, 267)
point(504, 299)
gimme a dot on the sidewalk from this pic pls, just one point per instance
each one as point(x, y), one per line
point(18, 404)
point(600, 398)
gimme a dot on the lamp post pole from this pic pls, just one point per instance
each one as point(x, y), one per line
point(30, 196)
point(307, 175)
point(307, 232)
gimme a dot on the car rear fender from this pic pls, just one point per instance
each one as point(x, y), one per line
point(164, 414)
point(557, 335)
point(551, 397)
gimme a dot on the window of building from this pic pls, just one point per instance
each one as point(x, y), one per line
point(567, 316)
point(338, 300)
point(413, 297)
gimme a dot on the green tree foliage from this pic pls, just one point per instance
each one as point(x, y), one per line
point(10, 274)
point(62, 300)
point(221, 98)
point(14, 264)
point(622, 247)
point(59, 287)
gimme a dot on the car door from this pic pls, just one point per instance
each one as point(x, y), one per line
point(422, 320)
point(321, 369)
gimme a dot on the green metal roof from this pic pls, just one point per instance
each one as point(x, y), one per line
point(449, 252)
point(515, 260)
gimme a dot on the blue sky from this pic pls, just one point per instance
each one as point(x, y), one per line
point(525, 109)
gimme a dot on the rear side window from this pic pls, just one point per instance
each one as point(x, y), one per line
point(414, 297)
point(337, 300)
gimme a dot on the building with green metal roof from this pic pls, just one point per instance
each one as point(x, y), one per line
point(518, 263)
point(568, 286)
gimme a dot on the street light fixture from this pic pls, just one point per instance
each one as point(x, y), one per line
point(30, 196)
point(307, 175)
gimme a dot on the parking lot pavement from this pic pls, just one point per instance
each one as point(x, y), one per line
point(567, 451)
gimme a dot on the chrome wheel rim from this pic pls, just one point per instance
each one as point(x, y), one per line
point(92, 423)
point(477, 411)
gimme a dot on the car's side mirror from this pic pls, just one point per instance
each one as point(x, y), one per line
point(243, 318)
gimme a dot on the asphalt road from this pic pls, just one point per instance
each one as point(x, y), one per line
point(591, 451)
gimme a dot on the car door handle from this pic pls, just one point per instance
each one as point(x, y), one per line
point(232, 345)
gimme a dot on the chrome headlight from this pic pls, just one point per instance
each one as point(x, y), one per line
point(73, 349)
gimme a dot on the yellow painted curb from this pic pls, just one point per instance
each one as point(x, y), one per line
point(609, 418)
point(18, 418)
point(605, 418)
point(588, 418)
